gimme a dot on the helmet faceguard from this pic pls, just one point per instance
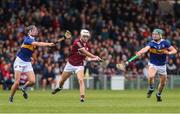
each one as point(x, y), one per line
point(85, 35)
point(32, 30)
point(157, 34)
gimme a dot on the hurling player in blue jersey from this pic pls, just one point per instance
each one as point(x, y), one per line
point(22, 62)
point(159, 49)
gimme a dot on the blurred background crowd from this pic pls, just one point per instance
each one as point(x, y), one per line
point(119, 28)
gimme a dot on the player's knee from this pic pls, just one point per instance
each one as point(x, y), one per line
point(162, 84)
point(151, 76)
point(32, 82)
point(16, 83)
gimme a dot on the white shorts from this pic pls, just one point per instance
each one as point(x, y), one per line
point(71, 68)
point(160, 69)
point(22, 66)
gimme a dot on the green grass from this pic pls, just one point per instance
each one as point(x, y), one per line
point(97, 101)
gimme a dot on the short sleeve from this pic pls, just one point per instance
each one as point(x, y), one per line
point(167, 44)
point(149, 44)
point(28, 41)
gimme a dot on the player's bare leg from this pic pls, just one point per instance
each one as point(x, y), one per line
point(64, 77)
point(44, 82)
point(15, 85)
point(53, 83)
point(80, 75)
point(31, 79)
point(162, 83)
point(29, 83)
point(151, 75)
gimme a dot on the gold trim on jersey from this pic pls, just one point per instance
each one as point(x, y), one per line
point(30, 47)
point(156, 51)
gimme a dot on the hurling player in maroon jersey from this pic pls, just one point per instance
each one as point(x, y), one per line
point(79, 53)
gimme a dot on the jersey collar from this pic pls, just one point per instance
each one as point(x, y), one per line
point(31, 37)
point(158, 42)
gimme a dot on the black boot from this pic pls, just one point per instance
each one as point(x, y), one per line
point(56, 90)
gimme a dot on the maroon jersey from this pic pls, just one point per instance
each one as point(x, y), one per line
point(76, 58)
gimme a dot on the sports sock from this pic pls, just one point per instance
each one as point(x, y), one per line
point(158, 93)
point(151, 87)
point(24, 87)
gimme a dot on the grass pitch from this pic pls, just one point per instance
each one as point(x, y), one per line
point(97, 101)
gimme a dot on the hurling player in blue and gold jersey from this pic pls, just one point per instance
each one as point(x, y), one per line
point(159, 49)
point(23, 64)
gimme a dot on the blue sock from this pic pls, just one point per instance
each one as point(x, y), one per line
point(11, 97)
point(24, 87)
point(151, 87)
point(158, 93)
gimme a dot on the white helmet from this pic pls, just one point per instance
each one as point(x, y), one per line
point(85, 32)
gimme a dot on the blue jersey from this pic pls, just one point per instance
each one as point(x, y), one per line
point(27, 49)
point(157, 57)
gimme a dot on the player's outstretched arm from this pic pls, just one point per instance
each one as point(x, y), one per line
point(97, 58)
point(123, 65)
point(139, 53)
point(42, 44)
point(90, 56)
point(143, 50)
